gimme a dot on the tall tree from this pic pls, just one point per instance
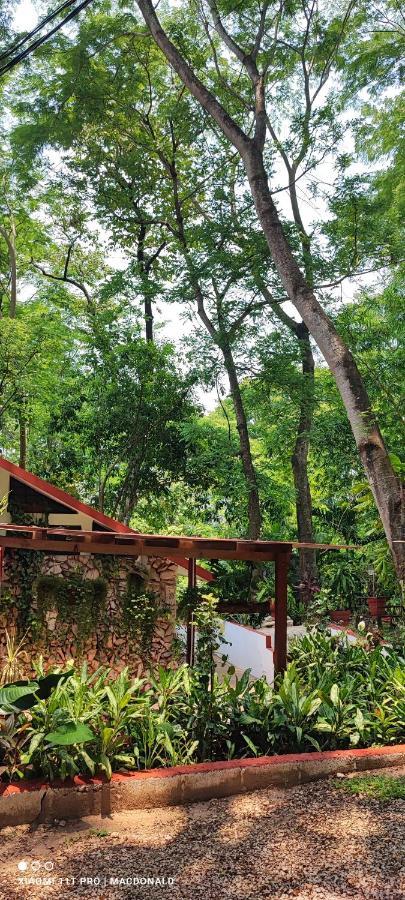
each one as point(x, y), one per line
point(322, 38)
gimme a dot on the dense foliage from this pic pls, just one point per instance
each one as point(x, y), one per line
point(333, 695)
point(149, 361)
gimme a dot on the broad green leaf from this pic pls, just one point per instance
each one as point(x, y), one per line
point(19, 695)
point(72, 733)
point(334, 694)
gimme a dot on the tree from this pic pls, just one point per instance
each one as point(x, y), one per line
point(118, 429)
point(321, 40)
point(143, 159)
point(30, 377)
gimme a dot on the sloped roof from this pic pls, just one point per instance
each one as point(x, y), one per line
point(56, 494)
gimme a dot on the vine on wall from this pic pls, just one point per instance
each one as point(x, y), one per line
point(140, 611)
point(23, 567)
point(77, 600)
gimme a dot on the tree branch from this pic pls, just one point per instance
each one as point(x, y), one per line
point(231, 129)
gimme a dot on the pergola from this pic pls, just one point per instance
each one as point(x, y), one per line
point(73, 542)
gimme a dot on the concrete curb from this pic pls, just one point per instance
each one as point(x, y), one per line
point(39, 801)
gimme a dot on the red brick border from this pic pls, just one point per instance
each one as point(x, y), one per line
point(170, 772)
point(40, 801)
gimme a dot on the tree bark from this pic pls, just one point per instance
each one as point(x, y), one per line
point(385, 486)
point(308, 572)
point(10, 238)
point(144, 272)
point(254, 513)
point(22, 428)
point(148, 320)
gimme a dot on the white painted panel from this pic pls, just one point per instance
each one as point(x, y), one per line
point(247, 650)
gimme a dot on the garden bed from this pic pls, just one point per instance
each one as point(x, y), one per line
point(333, 697)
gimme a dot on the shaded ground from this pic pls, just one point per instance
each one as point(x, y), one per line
point(312, 842)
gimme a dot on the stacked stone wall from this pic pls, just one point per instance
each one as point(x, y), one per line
point(110, 642)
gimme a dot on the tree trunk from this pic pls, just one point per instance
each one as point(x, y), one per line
point(308, 573)
point(148, 320)
point(254, 514)
point(144, 273)
point(299, 460)
point(386, 487)
point(10, 239)
point(22, 427)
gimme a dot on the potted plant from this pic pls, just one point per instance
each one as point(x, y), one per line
point(341, 616)
point(330, 607)
point(376, 605)
point(343, 583)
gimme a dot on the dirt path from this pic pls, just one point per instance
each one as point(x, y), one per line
point(311, 842)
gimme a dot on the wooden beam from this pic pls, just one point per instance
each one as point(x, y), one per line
point(280, 612)
point(237, 608)
point(128, 546)
point(192, 581)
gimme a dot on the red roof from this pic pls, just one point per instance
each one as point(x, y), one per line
point(55, 493)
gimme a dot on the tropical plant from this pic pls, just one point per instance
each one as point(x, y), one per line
point(15, 658)
point(333, 695)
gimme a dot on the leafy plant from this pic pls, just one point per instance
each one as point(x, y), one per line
point(342, 579)
point(14, 735)
point(15, 659)
point(333, 695)
point(141, 610)
point(77, 600)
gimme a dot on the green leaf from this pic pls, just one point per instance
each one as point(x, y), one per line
point(71, 733)
point(250, 744)
point(17, 694)
point(334, 694)
point(246, 719)
point(88, 760)
point(35, 742)
point(105, 765)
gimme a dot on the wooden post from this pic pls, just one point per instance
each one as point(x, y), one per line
point(281, 563)
point(192, 581)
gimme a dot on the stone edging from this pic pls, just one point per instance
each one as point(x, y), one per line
point(40, 801)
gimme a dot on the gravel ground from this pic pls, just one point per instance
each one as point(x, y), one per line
point(311, 842)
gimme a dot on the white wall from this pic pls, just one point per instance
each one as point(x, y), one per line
point(247, 650)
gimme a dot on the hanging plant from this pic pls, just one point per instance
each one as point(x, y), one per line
point(77, 601)
point(140, 611)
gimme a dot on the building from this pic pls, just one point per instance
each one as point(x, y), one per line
point(109, 610)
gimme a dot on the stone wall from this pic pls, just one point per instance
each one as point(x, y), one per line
point(109, 643)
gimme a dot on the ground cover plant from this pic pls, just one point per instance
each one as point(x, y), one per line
point(333, 695)
point(377, 787)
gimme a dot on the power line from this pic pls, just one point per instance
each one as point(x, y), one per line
point(49, 18)
point(18, 57)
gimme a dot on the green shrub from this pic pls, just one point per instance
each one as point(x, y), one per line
point(333, 695)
